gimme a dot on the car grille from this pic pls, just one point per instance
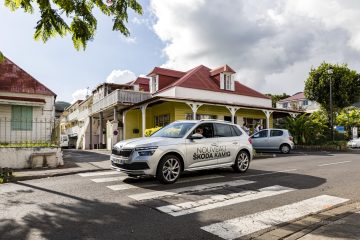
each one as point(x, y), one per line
point(132, 166)
point(122, 152)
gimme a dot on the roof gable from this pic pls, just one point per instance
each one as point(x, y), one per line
point(200, 78)
point(166, 72)
point(295, 97)
point(14, 79)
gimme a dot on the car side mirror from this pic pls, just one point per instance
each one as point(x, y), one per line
point(196, 136)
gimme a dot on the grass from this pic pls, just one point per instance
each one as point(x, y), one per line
point(27, 145)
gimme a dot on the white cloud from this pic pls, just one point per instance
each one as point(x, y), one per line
point(80, 94)
point(271, 44)
point(129, 39)
point(120, 76)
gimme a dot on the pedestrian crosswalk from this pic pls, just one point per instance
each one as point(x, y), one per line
point(178, 200)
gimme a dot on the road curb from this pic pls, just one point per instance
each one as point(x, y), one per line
point(303, 226)
point(27, 177)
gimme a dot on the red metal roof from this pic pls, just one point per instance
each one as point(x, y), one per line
point(140, 80)
point(200, 78)
point(221, 69)
point(166, 72)
point(295, 97)
point(16, 80)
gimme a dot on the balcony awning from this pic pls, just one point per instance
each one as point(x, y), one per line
point(22, 101)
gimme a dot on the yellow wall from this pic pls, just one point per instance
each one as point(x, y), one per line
point(178, 111)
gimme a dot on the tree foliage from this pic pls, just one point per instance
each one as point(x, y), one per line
point(308, 129)
point(75, 17)
point(345, 86)
point(349, 117)
point(276, 97)
point(2, 57)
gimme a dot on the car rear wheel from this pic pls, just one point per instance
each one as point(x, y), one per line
point(242, 162)
point(169, 169)
point(285, 148)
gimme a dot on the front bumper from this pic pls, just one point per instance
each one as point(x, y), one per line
point(133, 165)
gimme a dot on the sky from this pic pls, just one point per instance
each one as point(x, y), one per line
point(271, 44)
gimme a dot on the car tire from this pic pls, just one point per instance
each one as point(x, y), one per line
point(285, 148)
point(169, 169)
point(242, 162)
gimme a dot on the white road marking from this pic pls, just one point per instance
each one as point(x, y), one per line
point(262, 174)
point(109, 179)
point(335, 163)
point(217, 201)
point(238, 227)
point(91, 174)
point(125, 186)
point(197, 188)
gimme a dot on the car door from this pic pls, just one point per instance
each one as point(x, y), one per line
point(228, 143)
point(260, 139)
point(276, 138)
point(201, 152)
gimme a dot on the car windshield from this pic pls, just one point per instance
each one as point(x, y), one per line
point(174, 130)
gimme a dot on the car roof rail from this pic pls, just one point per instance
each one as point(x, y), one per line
point(214, 120)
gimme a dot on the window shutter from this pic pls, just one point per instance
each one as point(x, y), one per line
point(157, 83)
point(222, 81)
point(232, 82)
point(150, 84)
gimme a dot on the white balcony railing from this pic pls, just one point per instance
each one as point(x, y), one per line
point(73, 116)
point(83, 115)
point(125, 97)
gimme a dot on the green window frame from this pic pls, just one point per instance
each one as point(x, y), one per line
point(21, 118)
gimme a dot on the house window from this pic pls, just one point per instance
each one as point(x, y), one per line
point(305, 103)
point(189, 116)
point(21, 118)
point(154, 87)
point(162, 120)
point(285, 105)
point(228, 82)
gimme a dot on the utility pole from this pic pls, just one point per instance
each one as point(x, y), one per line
point(330, 72)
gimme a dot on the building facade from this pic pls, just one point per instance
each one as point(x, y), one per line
point(298, 101)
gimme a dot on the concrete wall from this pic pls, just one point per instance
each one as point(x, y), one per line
point(18, 158)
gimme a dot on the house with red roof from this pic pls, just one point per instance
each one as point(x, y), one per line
point(199, 93)
point(26, 106)
point(298, 101)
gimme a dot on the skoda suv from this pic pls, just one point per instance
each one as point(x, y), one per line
point(184, 146)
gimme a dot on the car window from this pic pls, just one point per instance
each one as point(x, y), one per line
point(261, 134)
point(223, 130)
point(174, 130)
point(276, 133)
point(236, 131)
point(206, 129)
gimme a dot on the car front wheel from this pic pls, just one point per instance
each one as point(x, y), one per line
point(242, 162)
point(169, 169)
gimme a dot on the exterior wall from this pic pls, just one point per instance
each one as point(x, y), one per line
point(179, 110)
point(230, 98)
point(20, 157)
point(296, 105)
point(165, 81)
point(41, 131)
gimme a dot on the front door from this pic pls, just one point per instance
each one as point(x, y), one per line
point(260, 139)
point(201, 152)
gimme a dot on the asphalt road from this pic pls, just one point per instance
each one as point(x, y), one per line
point(230, 205)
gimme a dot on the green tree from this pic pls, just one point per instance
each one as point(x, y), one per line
point(276, 97)
point(349, 117)
point(345, 85)
point(75, 17)
point(2, 57)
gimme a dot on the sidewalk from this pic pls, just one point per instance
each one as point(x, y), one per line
point(75, 161)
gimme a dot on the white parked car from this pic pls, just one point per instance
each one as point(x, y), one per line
point(354, 143)
point(184, 146)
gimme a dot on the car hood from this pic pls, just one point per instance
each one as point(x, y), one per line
point(148, 142)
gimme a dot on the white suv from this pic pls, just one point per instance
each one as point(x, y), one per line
point(184, 145)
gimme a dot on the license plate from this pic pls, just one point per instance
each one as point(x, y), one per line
point(118, 161)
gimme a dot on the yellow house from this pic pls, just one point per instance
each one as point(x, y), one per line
point(200, 93)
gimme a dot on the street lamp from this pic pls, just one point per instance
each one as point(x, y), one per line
point(330, 72)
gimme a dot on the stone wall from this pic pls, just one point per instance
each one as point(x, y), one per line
point(18, 158)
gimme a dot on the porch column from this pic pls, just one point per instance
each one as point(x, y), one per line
point(91, 133)
point(100, 129)
point(233, 111)
point(124, 123)
point(115, 115)
point(194, 107)
point(267, 114)
point(143, 116)
point(115, 126)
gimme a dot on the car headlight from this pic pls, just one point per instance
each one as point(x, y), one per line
point(146, 151)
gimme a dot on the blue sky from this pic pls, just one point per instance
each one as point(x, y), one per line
point(63, 69)
point(271, 45)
